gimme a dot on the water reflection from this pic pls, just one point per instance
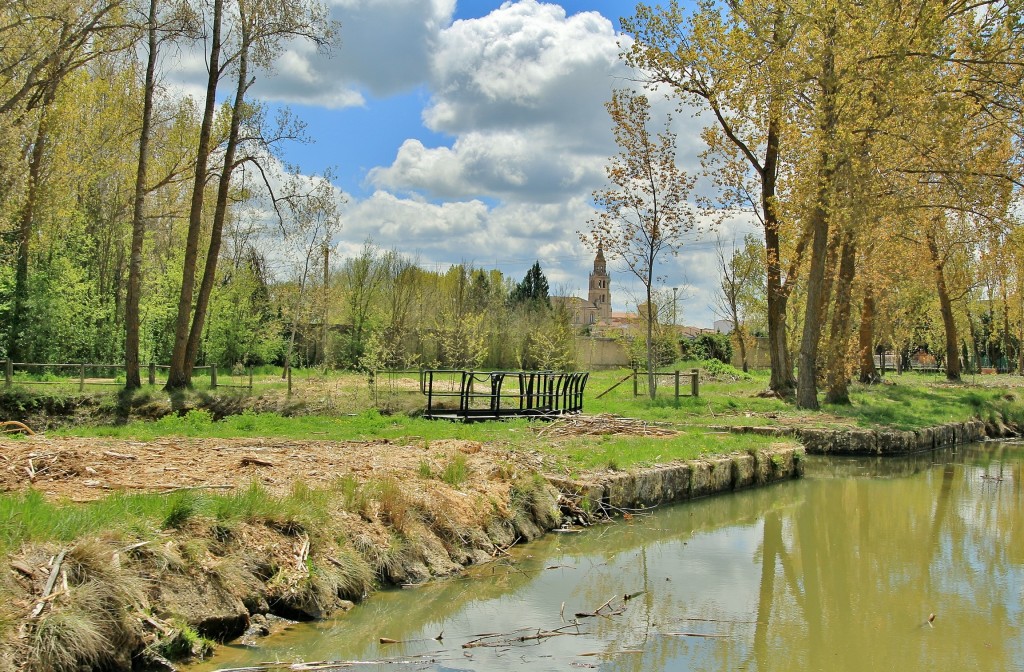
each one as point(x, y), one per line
point(839, 571)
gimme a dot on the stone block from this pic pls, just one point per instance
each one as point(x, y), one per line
point(743, 471)
point(862, 441)
point(700, 479)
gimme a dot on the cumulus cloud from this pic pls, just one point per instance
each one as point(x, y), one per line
point(522, 90)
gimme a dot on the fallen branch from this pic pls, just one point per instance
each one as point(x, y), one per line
point(254, 461)
point(12, 426)
point(120, 456)
point(510, 639)
point(54, 572)
point(597, 612)
point(696, 634)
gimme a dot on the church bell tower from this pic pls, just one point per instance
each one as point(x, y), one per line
point(600, 293)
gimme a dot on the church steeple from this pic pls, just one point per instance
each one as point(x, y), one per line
point(600, 294)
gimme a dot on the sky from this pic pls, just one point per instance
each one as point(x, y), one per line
point(475, 132)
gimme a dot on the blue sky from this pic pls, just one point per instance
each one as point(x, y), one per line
point(473, 131)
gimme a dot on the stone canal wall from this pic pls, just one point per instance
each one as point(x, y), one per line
point(683, 481)
point(664, 484)
point(855, 441)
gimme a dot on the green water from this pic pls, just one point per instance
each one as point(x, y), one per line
point(837, 571)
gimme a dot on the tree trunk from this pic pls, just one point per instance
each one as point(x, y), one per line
point(866, 341)
point(807, 389)
point(220, 212)
point(180, 374)
point(26, 222)
point(652, 388)
point(782, 381)
point(133, 379)
point(743, 348)
point(837, 376)
point(946, 308)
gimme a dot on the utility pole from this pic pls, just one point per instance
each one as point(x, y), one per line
point(674, 291)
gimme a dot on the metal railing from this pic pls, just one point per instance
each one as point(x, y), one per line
point(457, 394)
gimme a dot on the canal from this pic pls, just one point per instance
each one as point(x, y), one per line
point(902, 564)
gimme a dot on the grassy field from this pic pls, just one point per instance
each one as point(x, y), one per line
point(348, 406)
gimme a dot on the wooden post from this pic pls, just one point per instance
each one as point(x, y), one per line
point(8, 373)
point(635, 390)
point(695, 381)
point(289, 380)
point(81, 377)
point(152, 373)
point(213, 376)
point(677, 384)
point(250, 379)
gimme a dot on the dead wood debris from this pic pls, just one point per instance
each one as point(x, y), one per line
point(13, 427)
point(603, 425)
point(501, 640)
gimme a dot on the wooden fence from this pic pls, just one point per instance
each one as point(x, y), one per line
point(83, 373)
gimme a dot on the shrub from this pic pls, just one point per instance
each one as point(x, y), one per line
point(708, 346)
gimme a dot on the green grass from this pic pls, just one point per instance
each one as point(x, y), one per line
point(28, 517)
point(624, 453)
point(455, 472)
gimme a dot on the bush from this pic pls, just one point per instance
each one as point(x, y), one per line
point(708, 346)
point(666, 351)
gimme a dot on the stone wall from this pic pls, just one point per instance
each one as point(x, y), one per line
point(857, 441)
point(594, 352)
point(622, 491)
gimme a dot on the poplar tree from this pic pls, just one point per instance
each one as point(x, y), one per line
point(644, 211)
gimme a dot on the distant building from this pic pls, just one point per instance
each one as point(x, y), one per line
point(596, 309)
point(600, 294)
point(723, 326)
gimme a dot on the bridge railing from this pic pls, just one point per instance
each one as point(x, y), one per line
point(457, 394)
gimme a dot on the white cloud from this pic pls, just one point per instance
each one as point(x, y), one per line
point(522, 90)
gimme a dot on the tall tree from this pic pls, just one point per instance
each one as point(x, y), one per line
point(742, 279)
point(644, 211)
point(736, 63)
point(533, 289)
point(152, 31)
point(259, 28)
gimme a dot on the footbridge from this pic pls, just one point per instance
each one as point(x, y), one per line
point(456, 394)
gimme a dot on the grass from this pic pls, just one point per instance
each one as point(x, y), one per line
point(28, 516)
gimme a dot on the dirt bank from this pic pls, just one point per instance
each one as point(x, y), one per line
point(256, 528)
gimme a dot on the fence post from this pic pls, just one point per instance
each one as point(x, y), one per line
point(8, 372)
point(213, 376)
point(152, 373)
point(289, 380)
point(81, 377)
point(250, 379)
point(695, 382)
point(635, 390)
point(677, 384)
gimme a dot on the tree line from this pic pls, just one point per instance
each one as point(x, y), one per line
point(879, 144)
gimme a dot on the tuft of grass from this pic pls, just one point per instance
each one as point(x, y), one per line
point(456, 471)
point(355, 497)
point(394, 505)
point(425, 470)
point(72, 635)
point(184, 642)
point(181, 506)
